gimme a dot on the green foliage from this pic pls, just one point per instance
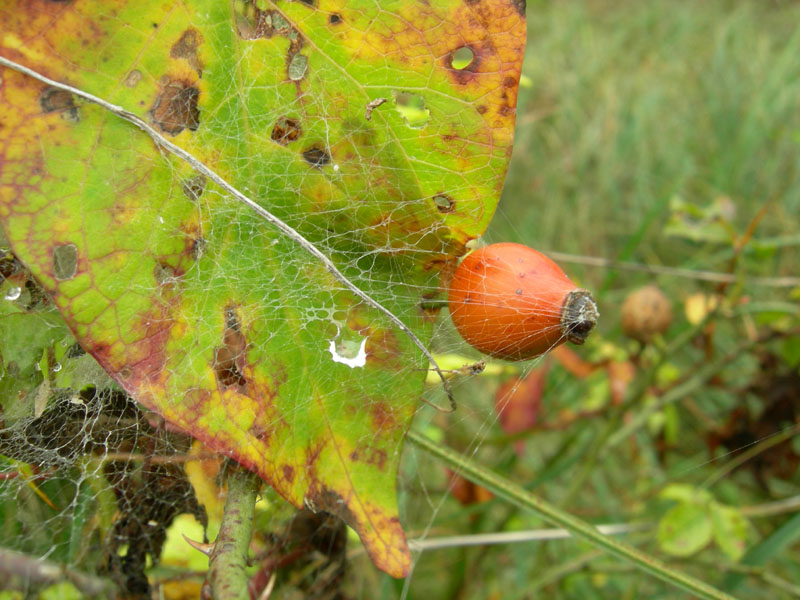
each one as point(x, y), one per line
point(696, 519)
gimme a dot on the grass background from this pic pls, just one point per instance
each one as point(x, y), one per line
point(632, 103)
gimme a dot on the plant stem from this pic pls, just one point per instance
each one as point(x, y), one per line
point(518, 496)
point(29, 571)
point(228, 561)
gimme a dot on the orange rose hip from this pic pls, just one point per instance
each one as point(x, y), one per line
point(512, 302)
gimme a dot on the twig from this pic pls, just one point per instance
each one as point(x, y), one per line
point(770, 509)
point(515, 537)
point(673, 271)
point(41, 572)
point(279, 224)
point(226, 567)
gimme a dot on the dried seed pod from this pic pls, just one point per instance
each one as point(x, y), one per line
point(510, 301)
point(646, 312)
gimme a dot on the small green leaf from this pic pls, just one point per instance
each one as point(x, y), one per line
point(61, 591)
point(790, 351)
point(685, 529)
point(730, 530)
point(683, 492)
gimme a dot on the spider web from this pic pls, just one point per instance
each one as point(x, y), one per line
point(358, 128)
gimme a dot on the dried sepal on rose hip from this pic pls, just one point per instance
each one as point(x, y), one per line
point(512, 302)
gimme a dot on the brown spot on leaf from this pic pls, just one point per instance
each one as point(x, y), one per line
point(229, 358)
point(198, 247)
point(194, 187)
point(482, 109)
point(354, 456)
point(382, 416)
point(288, 473)
point(286, 130)
point(316, 157)
point(175, 108)
point(186, 48)
point(261, 433)
point(253, 23)
point(334, 19)
point(56, 100)
point(65, 261)
point(328, 500)
point(430, 306)
point(377, 458)
point(133, 78)
point(163, 273)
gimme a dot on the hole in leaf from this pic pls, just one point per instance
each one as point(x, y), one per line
point(334, 19)
point(75, 351)
point(462, 58)
point(444, 203)
point(286, 130)
point(412, 108)
point(65, 261)
point(229, 356)
point(316, 157)
point(198, 248)
point(194, 187)
point(298, 66)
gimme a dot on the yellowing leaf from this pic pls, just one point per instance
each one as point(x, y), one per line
point(200, 308)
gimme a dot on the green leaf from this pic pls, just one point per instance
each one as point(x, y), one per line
point(683, 492)
point(776, 542)
point(790, 351)
point(685, 529)
point(730, 530)
point(711, 223)
point(199, 307)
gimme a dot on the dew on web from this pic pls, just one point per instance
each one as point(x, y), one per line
point(13, 293)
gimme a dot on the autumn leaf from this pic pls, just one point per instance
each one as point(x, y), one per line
point(518, 403)
point(198, 306)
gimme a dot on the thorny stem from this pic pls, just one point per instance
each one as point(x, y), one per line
point(279, 224)
point(228, 560)
point(518, 496)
